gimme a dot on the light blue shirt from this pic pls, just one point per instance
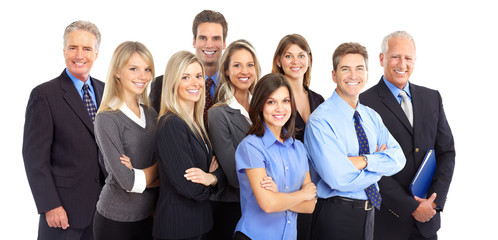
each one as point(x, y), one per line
point(286, 163)
point(395, 90)
point(330, 138)
point(79, 87)
point(212, 90)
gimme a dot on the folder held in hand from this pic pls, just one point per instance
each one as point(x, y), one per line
point(423, 179)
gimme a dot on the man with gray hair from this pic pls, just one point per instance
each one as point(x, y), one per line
point(415, 117)
point(59, 150)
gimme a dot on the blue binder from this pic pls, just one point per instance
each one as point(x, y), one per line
point(423, 179)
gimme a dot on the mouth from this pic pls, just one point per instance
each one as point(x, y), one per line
point(244, 79)
point(353, 83)
point(139, 84)
point(399, 72)
point(296, 69)
point(193, 91)
point(79, 64)
point(279, 116)
point(208, 52)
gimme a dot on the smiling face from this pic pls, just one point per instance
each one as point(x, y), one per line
point(350, 77)
point(398, 61)
point(209, 43)
point(241, 70)
point(277, 110)
point(191, 84)
point(135, 75)
point(80, 53)
point(294, 62)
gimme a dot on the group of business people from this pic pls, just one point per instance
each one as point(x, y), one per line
point(218, 152)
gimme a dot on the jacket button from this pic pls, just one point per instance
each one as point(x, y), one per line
point(417, 150)
point(97, 180)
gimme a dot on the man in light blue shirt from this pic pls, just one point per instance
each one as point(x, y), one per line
point(342, 175)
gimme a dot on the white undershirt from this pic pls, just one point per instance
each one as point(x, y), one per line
point(236, 105)
point(140, 181)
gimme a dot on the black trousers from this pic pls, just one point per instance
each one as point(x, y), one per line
point(226, 215)
point(48, 233)
point(338, 221)
point(104, 228)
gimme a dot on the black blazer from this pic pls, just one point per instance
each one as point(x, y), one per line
point(315, 100)
point(60, 154)
point(183, 209)
point(155, 93)
point(430, 130)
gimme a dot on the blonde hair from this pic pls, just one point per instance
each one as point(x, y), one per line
point(226, 90)
point(176, 66)
point(113, 97)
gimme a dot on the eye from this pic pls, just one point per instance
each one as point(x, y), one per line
point(302, 56)
point(287, 56)
point(287, 100)
point(236, 65)
point(359, 68)
point(185, 77)
point(217, 38)
point(133, 69)
point(87, 49)
point(250, 65)
point(199, 76)
point(270, 102)
point(148, 70)
point(203, 38)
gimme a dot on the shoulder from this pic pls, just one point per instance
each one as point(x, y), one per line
point(105, 117)
point(423, 91)
point(315, 96)
point(218, 110)
point(149, 111)
point(47, 87)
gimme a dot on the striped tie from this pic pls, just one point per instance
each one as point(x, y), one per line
point(371, 191)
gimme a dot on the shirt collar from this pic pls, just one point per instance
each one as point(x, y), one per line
point(127, 111)
point(234, 104)
point(269, 139)
point(345, 109)
point(78, 83)
point(395, 90)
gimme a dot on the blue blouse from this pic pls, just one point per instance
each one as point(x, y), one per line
point(286, 163)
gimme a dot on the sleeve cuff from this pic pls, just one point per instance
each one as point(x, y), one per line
point(140, 182)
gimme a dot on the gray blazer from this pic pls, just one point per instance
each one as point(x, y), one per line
point(226, 128)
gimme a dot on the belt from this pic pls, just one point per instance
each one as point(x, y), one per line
point(354, 203)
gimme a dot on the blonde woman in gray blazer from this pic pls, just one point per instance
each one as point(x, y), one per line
point(228, 123)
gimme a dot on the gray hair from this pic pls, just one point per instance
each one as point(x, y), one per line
point(396, 34)
point(85, 26)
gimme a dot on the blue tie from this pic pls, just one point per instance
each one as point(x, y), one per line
point(371, 191)
point(90, 106)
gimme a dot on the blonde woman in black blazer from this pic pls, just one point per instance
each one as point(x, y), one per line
point(228, 124)
point(187, 170)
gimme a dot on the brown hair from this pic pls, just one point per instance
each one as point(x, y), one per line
point(264, 88)
point(210, 16)
point(349, 48)
point(283, 45)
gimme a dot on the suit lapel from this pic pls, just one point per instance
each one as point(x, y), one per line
point(99, 90)
point(73, 99)
point(390, 101)
point(418, 107)
point(237, 119)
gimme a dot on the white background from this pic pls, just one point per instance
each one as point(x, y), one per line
point(456, 54)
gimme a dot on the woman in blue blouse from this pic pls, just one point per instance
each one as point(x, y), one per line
point(272, 166)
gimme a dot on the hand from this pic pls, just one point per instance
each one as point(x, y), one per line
point(269, 184)
point(425, 210)
point(196, 175)
point(214, 165)
point(126, 161)
point(57, 218)
point(310, 190)
point(382, 148)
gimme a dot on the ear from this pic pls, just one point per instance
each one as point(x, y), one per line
point(333, 76)
point(224, 44)
point(381, 59)
point(193, 42)
point(279, 64)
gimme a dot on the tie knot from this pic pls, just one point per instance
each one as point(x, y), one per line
point(85, 87)
point(403, 94)
point(356, 116)
point(209, 83)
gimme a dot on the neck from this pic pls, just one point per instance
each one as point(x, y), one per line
point(296, 85)
point(210, 70)
point(131, 100)
point(276, 132)
point(189, 109)
point(243, 98)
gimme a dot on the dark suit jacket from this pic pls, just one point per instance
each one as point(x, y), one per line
point(183, 209)
point(227, 128)
point(59, 150)
point(155, 93)
point(430, 130)
point(315, 100)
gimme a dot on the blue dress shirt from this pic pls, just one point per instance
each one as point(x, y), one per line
point(79, 87)
point(286, 163)
point(395, 90)
point(212, 90)
point(330, 138)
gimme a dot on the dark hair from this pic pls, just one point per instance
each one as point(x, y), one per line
point(349, 48)
point(283, 45)
point(264, 88)
point(210, 16)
